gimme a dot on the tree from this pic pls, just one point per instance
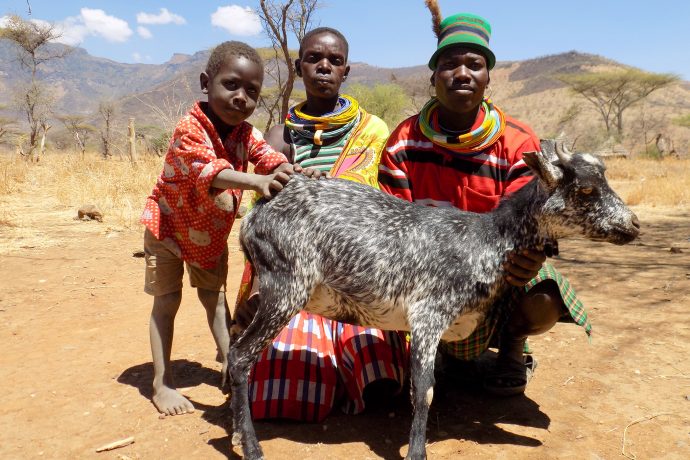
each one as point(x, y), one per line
point(277, 18)
point(612, 93)
point(32, 39)
point(387, 101)
point(79, 129)
point(106, 109)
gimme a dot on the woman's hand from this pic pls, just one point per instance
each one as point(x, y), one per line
point(312, 173)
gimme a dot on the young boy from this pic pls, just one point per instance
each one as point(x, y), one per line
point(190, 212)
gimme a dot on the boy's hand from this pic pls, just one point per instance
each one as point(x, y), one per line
point(287, 168)
point(523, 266)
point(268, 186)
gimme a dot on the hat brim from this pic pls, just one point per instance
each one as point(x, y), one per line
point(486, 52)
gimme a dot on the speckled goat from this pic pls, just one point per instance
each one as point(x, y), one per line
point(351, 253)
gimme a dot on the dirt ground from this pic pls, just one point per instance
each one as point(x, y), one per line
point(76, 368)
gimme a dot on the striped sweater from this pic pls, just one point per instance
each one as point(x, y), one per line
point(415, 169)
point(321, 157)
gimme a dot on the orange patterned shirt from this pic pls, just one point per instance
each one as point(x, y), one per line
point(192, 218)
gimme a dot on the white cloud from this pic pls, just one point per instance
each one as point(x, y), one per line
point(164, 17)
point(4, 20)
point(237, 20)
point(144, 32)
point(72, 31)
point(109, 27)
point(90, 22)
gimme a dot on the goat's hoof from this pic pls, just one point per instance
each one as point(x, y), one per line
point(254, 455)
point(253, 452)
point(236, 438)
point(416, 455)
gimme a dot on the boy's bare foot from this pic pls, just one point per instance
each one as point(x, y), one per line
point(169, 401)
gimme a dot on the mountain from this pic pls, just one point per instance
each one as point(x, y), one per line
point(81, 81)
point(157, 94)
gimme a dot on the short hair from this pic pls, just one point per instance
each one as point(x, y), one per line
point(324, 30)
point(228, 49)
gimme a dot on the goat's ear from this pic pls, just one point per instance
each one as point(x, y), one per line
point(544, 169)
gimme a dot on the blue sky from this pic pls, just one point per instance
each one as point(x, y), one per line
point(653, 36)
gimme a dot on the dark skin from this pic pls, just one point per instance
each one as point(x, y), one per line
point(460, 80)
point(323, 68)
point(232, 94)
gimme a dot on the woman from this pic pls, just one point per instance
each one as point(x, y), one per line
point(315, 363)
point(461, 150)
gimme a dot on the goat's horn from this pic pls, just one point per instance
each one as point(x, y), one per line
point(562, 152)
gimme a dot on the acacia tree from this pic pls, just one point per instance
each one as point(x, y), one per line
point(279, 19)
point(32, 39)
point(388, 101)
point(612, 93)
point(79, 130)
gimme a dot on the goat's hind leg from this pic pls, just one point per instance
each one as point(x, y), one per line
point(276, 308)
point(425, 334)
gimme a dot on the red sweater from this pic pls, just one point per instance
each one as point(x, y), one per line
point(415, 169)
point(184, 211)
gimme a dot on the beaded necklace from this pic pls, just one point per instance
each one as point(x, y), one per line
point(329, 125)
point(485, 135)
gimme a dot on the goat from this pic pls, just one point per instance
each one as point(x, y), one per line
point(351, 253)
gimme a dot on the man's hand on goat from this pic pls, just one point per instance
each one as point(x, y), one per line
point(524, 265)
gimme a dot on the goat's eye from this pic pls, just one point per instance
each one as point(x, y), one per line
point(586, 190)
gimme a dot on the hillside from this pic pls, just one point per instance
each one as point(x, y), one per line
point(158, 94)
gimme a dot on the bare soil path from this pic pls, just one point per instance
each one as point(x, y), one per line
point(76, 369)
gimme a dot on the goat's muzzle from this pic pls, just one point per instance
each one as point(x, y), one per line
point(624, 234)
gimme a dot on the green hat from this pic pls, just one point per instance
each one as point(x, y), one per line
point(468, 30)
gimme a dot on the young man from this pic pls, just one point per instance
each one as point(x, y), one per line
point(462, 151)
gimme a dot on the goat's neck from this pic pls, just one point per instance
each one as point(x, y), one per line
point(518, 217)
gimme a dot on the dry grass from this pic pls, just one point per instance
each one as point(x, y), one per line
point(119, 188)
point(642, 181)
point(13, 175)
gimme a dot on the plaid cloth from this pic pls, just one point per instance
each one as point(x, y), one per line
point(486, 335)
point(316, 363)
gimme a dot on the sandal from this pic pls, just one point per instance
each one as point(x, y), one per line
point(510, 377)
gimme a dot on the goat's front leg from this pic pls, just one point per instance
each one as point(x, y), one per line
point(425, 335)
point(273, 314)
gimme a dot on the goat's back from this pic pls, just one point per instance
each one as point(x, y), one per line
point(345, 235)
